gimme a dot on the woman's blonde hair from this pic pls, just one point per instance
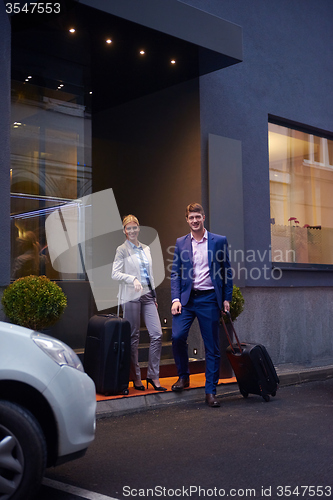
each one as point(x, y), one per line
point(130, 218)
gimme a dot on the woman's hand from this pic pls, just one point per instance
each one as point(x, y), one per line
point(137, 285)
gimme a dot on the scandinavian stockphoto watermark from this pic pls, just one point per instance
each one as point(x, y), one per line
point(83, 236)
point(253, 264)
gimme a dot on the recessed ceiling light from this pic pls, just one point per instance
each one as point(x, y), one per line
point(109, 40)
point(142, 52)
point(90, 93)
point(173, 61)
point(72, 30)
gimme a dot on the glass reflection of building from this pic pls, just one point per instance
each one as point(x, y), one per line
point(301, 181)
point(50, 130)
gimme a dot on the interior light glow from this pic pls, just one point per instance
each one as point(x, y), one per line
point(173, 61)
point(90, 93)
point(72, 30)
point(109, 40)
point(29, 77)
point(142, 52)
point(43, 211)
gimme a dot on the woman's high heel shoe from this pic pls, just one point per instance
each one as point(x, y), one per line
point(138, 387)
point(150, 381)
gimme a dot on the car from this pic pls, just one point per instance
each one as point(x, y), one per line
point(47, 408)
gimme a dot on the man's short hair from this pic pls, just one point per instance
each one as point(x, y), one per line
point(194, 207)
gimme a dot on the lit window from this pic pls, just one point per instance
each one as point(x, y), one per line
point(301, 187)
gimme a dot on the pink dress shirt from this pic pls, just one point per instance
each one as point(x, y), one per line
point(201, 276)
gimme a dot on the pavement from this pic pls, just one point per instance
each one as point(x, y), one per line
point(289, 374)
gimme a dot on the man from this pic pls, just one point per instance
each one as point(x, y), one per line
point(201, 285)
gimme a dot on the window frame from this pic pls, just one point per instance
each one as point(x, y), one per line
point(298, 266)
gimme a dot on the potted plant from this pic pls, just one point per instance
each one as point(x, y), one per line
point(236, 307)
point(237, 303)
point(34, 302)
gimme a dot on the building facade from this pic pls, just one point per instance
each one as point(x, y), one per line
point(222, 102)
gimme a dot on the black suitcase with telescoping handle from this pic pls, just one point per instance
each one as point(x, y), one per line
point(253, 367)
point(107, 353)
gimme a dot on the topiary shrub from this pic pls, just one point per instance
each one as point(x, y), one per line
point(34, 302)
point(237, 303)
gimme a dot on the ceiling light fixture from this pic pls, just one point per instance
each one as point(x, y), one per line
point(72, 30)
point(173, 61)
point(142, 52)
point(109, 40)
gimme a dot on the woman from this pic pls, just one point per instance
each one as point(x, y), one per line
point(30, 261)
point(133, 267)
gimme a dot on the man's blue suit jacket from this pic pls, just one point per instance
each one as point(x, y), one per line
point(219, 264)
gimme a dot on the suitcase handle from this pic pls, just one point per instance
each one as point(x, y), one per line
point(122, 353)
point(227, 313)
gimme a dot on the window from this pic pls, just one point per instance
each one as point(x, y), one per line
point(301, 196)
point(50, 141)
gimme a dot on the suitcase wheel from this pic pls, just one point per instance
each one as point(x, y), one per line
point(125, 392)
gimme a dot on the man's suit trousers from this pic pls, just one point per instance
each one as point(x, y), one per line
point(206, 309)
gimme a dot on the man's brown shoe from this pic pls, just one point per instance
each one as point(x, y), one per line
point(212, 401)
point(180, 384)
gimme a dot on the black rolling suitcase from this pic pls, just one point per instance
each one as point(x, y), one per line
point(253, 367)
point(107, 353)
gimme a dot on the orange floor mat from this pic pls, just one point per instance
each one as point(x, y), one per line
point(196, 380)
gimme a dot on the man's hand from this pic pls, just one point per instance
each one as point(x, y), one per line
point(176, 307)
point(226, 306)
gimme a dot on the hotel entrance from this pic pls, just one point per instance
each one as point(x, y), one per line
point(105, 96)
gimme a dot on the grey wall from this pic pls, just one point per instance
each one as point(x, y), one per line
point(226, 211)
point(295, 324)
point(286, 72)
point(5, 41)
